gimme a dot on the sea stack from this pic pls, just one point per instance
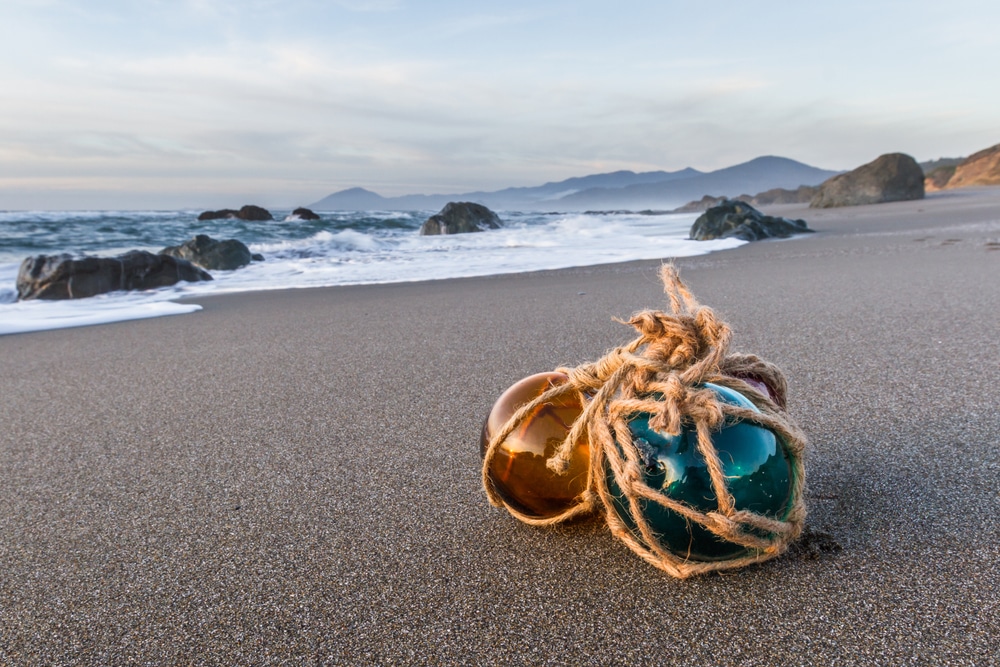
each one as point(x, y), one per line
point(208, 253)
point(247, 212)
point(461, 218)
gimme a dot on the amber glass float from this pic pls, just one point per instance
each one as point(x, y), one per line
point(518, 471)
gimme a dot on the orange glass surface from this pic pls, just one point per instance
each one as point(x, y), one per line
point(518, 470)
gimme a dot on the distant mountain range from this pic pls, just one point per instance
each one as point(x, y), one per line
point(616, 190)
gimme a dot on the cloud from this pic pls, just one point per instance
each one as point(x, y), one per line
point(480, 23)
point(445, 95)
point(369, 5)
point(237, 7)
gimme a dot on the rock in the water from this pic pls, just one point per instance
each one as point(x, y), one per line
point(891, 177)
point(304, 214)
point(459, 218)
point(737, 219)
point(251, 212)
point(65, 277)
point(210, 254)
point(221, 214)
point(248, 212)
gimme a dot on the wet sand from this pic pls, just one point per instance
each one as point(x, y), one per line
point(293, 477)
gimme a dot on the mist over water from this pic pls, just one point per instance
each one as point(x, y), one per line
point(342, 248)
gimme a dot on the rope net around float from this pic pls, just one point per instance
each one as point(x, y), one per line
point(660, 373)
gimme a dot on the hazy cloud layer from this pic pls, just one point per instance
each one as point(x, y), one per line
point(200, 102)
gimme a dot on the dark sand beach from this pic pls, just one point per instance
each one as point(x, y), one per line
point(293, 477)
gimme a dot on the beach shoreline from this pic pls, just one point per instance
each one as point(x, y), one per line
point(974, 206)
point(292, 476)
point(340, 248)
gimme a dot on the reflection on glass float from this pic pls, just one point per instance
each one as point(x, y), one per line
point(764, 387)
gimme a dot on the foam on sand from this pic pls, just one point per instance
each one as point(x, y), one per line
point(25, 316)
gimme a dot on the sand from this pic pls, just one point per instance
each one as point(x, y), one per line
point(293, 477)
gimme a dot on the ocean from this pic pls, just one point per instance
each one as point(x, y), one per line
point(342, 248)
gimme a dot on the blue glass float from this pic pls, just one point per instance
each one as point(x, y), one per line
point(757, 469)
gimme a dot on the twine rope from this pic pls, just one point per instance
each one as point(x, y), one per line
point(662, 372)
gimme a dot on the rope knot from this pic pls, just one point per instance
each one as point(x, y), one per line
point(722, 523)
point(710, 329)
point(652, 324)
point(685, 404)
point(669, 339)
point(588, 378)
point(632, 477)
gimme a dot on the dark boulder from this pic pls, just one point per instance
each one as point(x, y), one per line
point(66, 277)
point(459, 218)
point(304, 214)
point(251, 212)
point(891, 177)
point(248, 212)
point(737, 219)
point(221, 214)
point(211, 254)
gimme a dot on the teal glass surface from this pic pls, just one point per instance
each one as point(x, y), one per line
point(755, 463)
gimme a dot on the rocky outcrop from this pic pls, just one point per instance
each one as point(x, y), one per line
point(221, 214)
point(251, 212)
point(304, 214)
point(737, 219)
point(982, 168)
point(210, 254)
point(66, 277)
point(800, 195)
point(705, 203)
point(248, 212)
point(938, 178)
point(930, 165)
point(460, 218)
point(891, 177)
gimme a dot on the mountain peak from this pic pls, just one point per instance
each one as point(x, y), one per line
point(622, 189)
point(356, 199)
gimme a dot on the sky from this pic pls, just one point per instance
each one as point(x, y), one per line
point(150, 104)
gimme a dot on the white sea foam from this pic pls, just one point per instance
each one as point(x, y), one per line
point(26, 316)
point(383, 254)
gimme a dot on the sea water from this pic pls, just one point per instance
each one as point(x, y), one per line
point(342, 248)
